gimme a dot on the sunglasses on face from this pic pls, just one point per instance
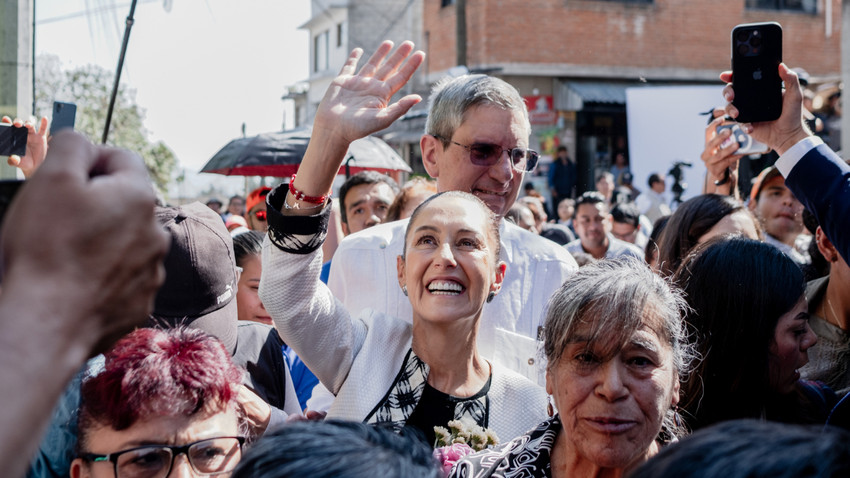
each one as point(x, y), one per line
point(488, 154)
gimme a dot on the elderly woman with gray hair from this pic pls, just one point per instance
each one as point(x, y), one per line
point(617, 348)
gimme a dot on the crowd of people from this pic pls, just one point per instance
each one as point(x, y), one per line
point(298, 334)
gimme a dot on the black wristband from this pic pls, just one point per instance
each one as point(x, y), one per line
point(288, 233)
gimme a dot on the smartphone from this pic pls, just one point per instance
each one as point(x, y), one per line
point(746, 143)
point(64, 116)
point(13, 140)
point(756, 55)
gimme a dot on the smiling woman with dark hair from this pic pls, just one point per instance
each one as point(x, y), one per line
point(162, 394)
point(384, 370)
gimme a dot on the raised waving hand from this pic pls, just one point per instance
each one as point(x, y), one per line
point(356, 104)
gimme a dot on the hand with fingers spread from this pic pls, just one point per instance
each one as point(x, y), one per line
point(783, 132)
point(36, 145)
point(719, 157)
point(355, 105)
point(358, 103)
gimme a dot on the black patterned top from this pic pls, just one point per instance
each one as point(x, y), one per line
point(402, 405)
point(527, 456)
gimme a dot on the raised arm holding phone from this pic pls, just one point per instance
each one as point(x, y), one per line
point(36, 145)
point(814, 173)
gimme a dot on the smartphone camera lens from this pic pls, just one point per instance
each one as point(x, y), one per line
point(743, 49)
point(742, 36)
point(755, 41)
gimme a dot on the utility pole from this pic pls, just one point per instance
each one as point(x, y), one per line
point(460, 8)
point(845, 73)
point(128, 26)
point(16, 64)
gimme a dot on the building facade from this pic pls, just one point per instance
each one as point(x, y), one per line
point(572, 60)
point(338, 26)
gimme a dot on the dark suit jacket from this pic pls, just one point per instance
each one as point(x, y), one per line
point(821, 181)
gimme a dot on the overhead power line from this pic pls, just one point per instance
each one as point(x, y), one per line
point(89, 12)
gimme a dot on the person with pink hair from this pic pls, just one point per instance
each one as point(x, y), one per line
point(162, 393)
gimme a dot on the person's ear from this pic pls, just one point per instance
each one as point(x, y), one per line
point(432, 149)
point(825, 246)
point(79, 469)
point(345, 228)
point(674, 401)
point(549, 381)
point(401, 272)
point(499, 277)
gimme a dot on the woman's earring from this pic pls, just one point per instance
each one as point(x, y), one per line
point(490, 297)
point(677, 419)
point(404, 290)
point(549, 408)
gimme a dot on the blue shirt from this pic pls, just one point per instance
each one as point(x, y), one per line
point(302, 378)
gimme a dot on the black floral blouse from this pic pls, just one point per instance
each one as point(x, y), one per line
point(527, 456)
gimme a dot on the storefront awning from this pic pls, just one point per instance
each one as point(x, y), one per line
point(572, 95)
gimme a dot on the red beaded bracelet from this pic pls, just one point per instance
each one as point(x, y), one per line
point(303, 197)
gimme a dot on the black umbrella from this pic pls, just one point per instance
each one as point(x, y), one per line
point(279, 155)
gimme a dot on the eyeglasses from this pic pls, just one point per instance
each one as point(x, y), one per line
point(488, 154)
point(260, 215)
point(207, 457)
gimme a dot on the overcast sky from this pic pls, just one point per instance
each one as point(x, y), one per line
point(199, 70)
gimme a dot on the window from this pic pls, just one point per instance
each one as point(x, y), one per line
point(299, 116)
point(446, 3)
point(320, 51)
point(340, 32)
point(806, 6)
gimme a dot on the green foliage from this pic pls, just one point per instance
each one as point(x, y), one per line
point(90, 88)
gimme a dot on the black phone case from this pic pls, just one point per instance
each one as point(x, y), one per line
point(13, 140)
point(756, 55)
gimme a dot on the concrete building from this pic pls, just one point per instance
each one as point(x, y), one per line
point(338, 26)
